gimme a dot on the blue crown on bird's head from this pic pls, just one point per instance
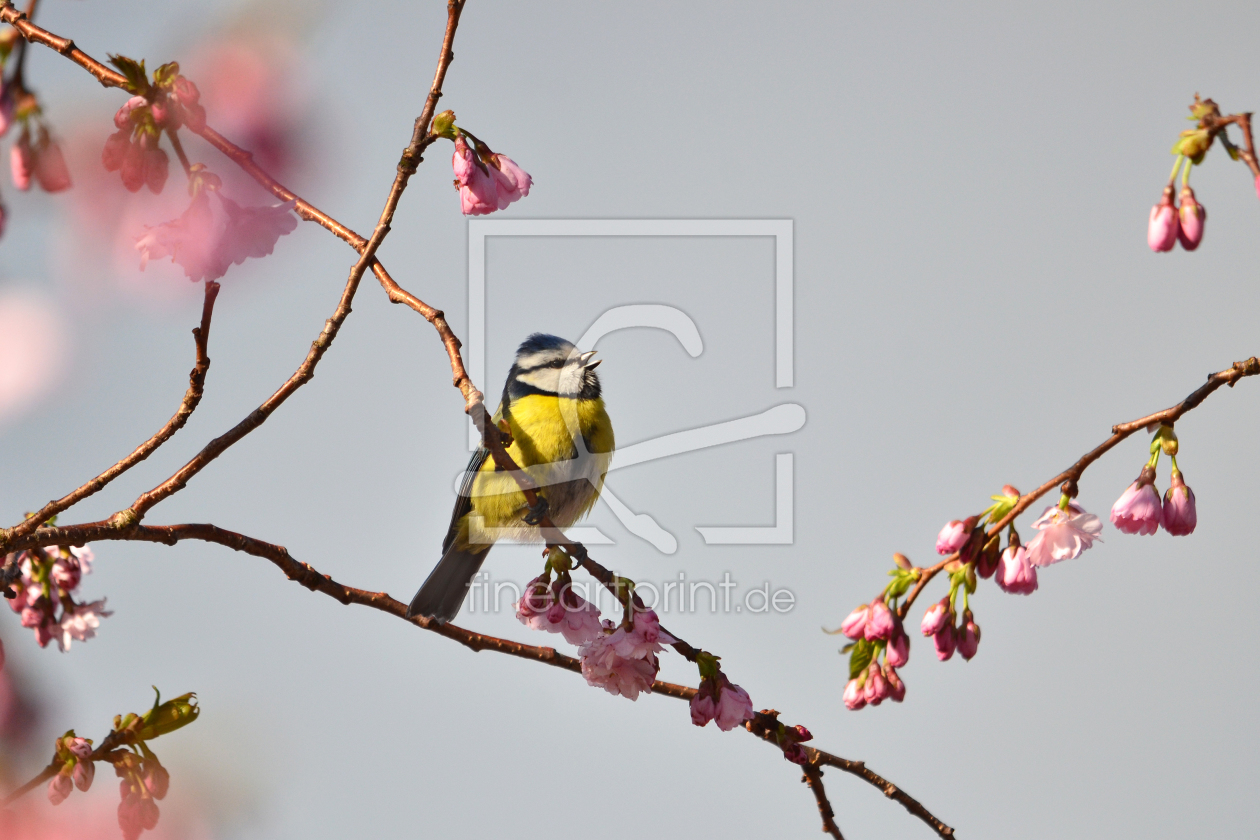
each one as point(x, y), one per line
point(542, 341)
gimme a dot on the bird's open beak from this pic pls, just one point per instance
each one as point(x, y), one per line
point(586, 360)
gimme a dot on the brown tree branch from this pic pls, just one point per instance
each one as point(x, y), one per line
point(1072, 475)
point(43, 776)
point(192, 397)
point(813, 780)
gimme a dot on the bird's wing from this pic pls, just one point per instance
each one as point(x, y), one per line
point(463, 501)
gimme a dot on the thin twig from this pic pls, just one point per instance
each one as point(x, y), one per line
point(1072, 475)
point(43, 776)
point(192, 397)
point(813, 780)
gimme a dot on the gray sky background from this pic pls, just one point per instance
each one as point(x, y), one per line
point(975, 304)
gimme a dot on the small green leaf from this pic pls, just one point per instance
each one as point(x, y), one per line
point(137, 77)
point(860, 659)
point(165, 75)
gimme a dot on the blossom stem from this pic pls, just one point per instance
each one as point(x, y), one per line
point(1172, 176)
point(1185, 174)
point(179, 150)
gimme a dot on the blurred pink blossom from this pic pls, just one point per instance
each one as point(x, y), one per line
point(59, 788)
point(968, 638)
point(946, 641)
point(854, 694)
point(22, 161)
point(1063, 534)
point(81, 622)
point(897, 688)
point(898, 651)
point(33, 350)
point(83, 774)
point(877, 688)
point(936, 617)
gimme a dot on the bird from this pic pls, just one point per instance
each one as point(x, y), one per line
point(561, 436)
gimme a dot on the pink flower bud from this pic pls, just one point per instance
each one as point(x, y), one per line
point(59, 788)
point(22, 162)
point(854, 696)
point(952, 537)
point(879, 621)
point(702, 709)
point(156, 779)
point(1179, 515)
point(946, 641)
point(122, 119)
point(1138, 510)
point(877, 687)
point(936, 617)
point(132, 168)
point(898, 652)
point(51, 170)
point(968, 639)
point(161, 111)
point(129, 814)
point(115, 150)
point(1016, 574)
point(185, 91)
point(148, 812)
point(79, 746)
point(854, 626)
point(802, 734)
point(796, 754)
point(1192, 217)
point(897, 687)
point(1161, 232)
point(84, 772)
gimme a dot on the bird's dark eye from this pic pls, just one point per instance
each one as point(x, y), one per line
point(558, 363)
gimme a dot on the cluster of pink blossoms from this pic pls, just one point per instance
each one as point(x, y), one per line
point(721, 701)
point(143, 782)
point(77, 769)
point(45, 595)
point(163, 105)
point(1139, 509)
point(545, 607)
point(622, 660)
point(876, 629)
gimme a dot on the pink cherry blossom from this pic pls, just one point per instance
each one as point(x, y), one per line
point(1163, 228)
point(122, 117)
point(81, 622)
point(968, 638)
point(156, 779)
point(83, 774)
point(1179, 516)
point(81, 747)
point(898, 651)
point(603, 666)
point(131, 167)
point(702, 707)
point(22, 162)
point(478, 192)
point(59, 788)
point(644, 639)
point(877, 688)
point(880, 623)
point(50, 168)
point(1137, 511)
point(854, 625)
point(733, 706)
point(206, 244)
point(936, 617)
point(1015, 573)
point(129, 818)
point(1063, 534)
point(156, 168)
point(510, 180)
point(1192, 217)
point(896, 686)
point(854, 695)
point(952, 537)
point(542, 608)
point(946, 640)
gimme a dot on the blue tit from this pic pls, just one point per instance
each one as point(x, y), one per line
point(561, 436)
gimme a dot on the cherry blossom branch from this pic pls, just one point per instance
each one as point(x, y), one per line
point(192, 397)
point(1070, 477)
point(245, 161)
point(1215, 124)
point(764, 724)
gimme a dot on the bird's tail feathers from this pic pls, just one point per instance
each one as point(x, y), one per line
point(443, 592)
